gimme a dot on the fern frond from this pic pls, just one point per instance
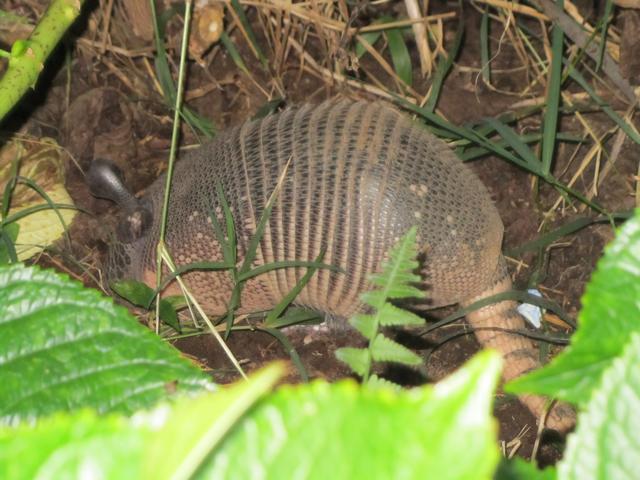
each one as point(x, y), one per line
point(378, 382)
point(358, 359)
point(365, 324)
point(397, 273)
point(390, 316)
point(394, 282)
point(383, 349)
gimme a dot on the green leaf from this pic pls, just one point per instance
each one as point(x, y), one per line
point(169, 316)
point(339, 431)
point(384, 349)
point(394, 279)
point(519, 469)
point(199, 424)
point(400, 55)
point(167, 442)
point(8, 235)
point(366, 433)
point(605, 444)
point(296, 315)
point(610, 315)
point(358, 359)
point(178, 302)
point(82, 445)
point(390, 315)
point(398, 271)
point(374, 298)
point(135, 292)
point(141, 295)
point(371, 38)
point(365, 324)
point(378, 382)
point(64, 347)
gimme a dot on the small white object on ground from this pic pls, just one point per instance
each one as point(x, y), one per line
point(532, 313)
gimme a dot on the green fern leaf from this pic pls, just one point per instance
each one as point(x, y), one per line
point(394, 282)
point(384, 349)
point(397, 273)
point(376, 382)
point(391, 315)
point(375, 298)
point(358, 359)
point(365, 324)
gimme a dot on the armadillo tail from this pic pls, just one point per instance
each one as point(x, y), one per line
point(519, 352)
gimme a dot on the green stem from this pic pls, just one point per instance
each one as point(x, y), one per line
point(176, 117)
point(27, 57)
point(174, 143)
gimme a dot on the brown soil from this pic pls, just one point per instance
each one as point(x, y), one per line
point(114, 111)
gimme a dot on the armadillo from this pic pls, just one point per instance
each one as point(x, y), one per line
point(359, 175)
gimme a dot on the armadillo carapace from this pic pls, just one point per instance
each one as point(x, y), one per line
point(359, 176)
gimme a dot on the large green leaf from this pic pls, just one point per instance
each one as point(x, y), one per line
point(342, 431)
point(606, 443)
point(318, 430)
point(167, 442)
point(610, 315)
point(197, 425)
point(64, 347)
point(81, 445)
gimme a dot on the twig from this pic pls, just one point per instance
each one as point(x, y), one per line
point(420, 32)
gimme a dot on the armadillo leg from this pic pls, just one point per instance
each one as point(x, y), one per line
point(518, 351)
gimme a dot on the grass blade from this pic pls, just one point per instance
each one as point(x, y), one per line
point(293, 293)
point(290, 349)
point(286, 264)
point(400, 55)
point(631, 132)
point(604, 27)
point(371, 38)
point(195, 121)
point(554, 84)
point(567, 229)
point(251, 36)
point(234, 53)
point(514, 141)
point(443, 68)
point(8, 236)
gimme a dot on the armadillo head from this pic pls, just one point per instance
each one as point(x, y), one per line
point(128, 247)
point(127, 250)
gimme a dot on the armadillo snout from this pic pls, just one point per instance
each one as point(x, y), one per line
point(118, 263)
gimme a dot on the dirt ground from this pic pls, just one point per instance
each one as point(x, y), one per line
point(103, 104)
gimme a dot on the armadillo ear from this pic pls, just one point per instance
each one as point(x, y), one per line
point(134, 224)
point(105, 180)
